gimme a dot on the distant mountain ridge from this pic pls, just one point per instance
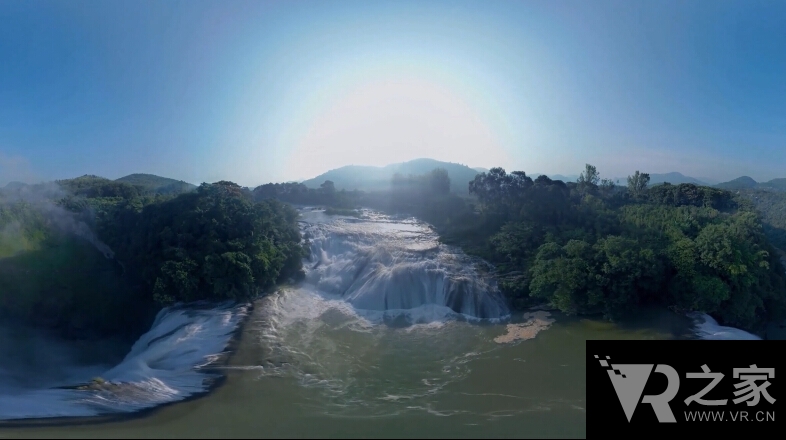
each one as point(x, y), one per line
point(746, 182)
point(371, 178)
point(743, 182)
point(674, 178)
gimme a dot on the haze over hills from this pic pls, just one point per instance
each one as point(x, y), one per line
point(14, 185)
point(709, 180)
point(743, 182)
point(674, 178)
point(779, 184)
point(371, 178)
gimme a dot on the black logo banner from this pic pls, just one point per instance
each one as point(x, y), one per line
point(688, 387)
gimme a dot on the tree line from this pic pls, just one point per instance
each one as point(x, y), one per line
point(594, 247)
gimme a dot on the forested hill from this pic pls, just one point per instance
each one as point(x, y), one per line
point(134, 185)
point(95, 256)
point(368, 178)
point(157, 183)
point(746, 182)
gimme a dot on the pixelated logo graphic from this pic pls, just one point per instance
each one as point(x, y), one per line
point(629, 381)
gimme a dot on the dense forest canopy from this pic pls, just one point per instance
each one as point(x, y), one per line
point(214, 243)
point(591, 246)
point(771, 204)
point(92, 254)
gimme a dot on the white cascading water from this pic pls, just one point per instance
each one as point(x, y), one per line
point(391, 269)
point(708, 328)
point(163, 366)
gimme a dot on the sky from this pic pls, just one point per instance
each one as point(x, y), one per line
point(268, 91)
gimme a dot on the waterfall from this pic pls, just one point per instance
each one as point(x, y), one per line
point(164, 365)
point(397, 267)
point(708, 328)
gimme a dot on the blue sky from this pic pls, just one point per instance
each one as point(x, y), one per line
point(266, 91)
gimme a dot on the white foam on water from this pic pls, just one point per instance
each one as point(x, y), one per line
point(708, 328)
point(353, 359)
point(165, 365)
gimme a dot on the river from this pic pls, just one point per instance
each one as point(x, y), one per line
point(390, 335)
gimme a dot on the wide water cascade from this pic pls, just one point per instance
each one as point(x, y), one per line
point(388, 268)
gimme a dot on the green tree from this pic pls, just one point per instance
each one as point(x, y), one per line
point(565, 277)
point(627, 273)
point(637, 183)
point(589, 177)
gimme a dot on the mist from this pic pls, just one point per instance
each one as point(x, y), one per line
point(42, 199)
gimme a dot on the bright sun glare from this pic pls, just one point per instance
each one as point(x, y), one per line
point(395, 120)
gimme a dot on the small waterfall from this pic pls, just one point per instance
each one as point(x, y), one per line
point(397, 267)
point(708, 328)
